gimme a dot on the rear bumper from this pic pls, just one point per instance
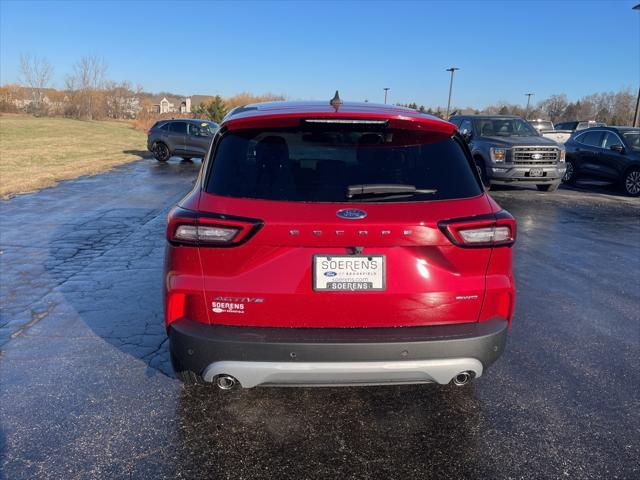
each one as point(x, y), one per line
point(292, 356)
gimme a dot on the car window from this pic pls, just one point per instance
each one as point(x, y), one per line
point(544, 125)
point(611, 139)
point(632, 138)
point(199, 130)
point(319, 164)
point(161, 126)
point(593, 139)
point(178, 127)
point(466, 125)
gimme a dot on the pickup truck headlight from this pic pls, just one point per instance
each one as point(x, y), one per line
point(498, 155)
point(563, 154)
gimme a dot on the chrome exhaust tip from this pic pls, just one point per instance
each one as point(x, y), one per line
point(462, 379)
point(225, 382)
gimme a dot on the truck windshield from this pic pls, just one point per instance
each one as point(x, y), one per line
point(341, 165)
point(504, 127)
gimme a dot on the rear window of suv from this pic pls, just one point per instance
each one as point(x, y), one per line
point(319, 165)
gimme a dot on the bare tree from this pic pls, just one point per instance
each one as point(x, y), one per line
point(35, 75)
point(554, 106)
point(122, 101)
point(84, 85)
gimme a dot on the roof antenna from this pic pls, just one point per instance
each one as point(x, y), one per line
point(336, 101)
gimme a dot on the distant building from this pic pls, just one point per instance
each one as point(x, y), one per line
point(173, 105)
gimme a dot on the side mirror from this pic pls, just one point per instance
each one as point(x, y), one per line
point(466, 134)
point(617, 148)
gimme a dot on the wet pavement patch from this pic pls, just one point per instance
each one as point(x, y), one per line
point(86, 388)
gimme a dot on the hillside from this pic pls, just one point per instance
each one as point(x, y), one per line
point(38, 152)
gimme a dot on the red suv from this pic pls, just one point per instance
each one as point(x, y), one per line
point(337, 244)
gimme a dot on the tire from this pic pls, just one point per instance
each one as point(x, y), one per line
point(185, 376)
point(548, 187)
point(161, 152)
point(631, 182)
point(570, 174)
point(482, 170)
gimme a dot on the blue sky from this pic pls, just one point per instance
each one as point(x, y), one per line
point(308, 49)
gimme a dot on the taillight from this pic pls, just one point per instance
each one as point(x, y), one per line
point(186, 227)
point(148, 132)
point(493, 230)
point(205, 234)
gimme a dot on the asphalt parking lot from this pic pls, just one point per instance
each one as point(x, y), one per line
point(86, 389)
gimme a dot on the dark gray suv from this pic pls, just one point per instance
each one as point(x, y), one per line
point(508, 150)
point(182, 137)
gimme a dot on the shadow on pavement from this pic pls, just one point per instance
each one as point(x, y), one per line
point(424, 431)
point(139, 153)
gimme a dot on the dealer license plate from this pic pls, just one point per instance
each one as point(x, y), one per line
point(536, 172)
point(349, 273)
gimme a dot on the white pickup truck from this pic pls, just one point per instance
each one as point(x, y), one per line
point(564, 130)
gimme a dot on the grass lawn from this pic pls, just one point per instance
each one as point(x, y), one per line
point(38, 152)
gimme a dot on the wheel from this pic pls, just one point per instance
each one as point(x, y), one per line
point(570, 173)
point(631, 183)
point(185, 376)
point(482, 170)
point(161, 152)
point(547, 187)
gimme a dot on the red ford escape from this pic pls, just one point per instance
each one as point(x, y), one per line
point(331, 243)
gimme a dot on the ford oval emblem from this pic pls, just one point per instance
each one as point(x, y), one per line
point(536, 156)
point(351, 213)
point(330, 274)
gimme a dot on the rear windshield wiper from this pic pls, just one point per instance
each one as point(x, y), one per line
point(384, 189)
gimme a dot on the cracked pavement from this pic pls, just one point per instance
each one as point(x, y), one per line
point(86, 388)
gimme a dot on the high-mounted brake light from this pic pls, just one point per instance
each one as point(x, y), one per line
point(186, 227)
point(344, 121)
point(492, 230)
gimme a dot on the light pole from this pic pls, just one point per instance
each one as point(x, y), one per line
point(386, 89)
point(529, 95)
point(636, 116)
point(452, 70)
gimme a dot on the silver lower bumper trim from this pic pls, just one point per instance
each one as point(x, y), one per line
point(253, 374)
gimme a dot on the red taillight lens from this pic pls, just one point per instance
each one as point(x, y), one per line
point(186, 227)
point(494, 230)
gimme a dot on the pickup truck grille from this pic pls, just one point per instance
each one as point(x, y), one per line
point(525, 155)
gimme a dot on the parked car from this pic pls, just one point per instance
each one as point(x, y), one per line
point(337, 244)
point(507, 150)
point(606, 153)
point(564, 130)
point(579, 125)
point(182, 137)
point(541, 125)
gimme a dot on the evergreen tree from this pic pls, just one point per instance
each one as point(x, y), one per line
point(215, 109)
